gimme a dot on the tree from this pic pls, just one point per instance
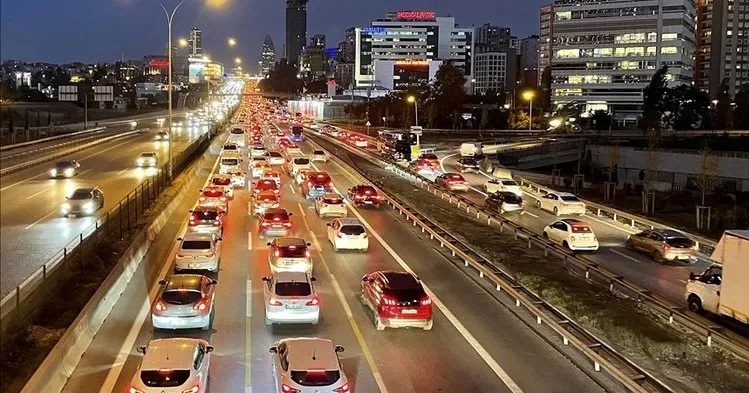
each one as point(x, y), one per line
point(601, 120)
point(741, 113)
point(686, 108)
point(282, 79)
point(653, 106)
point(484, 121)
point(722, 120)
point(708, 179)
point(518, 119)
point(447, 91)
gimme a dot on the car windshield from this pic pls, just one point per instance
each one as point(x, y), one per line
point(237, 131)
point(320, 178)
point(148, 155)
point(293, 289)
point(230, 161)
point(230, 147)
point(292, 252)
point(352, 230)
point(63, 165)
point(301, 161)
point(429, 157)
point(581, 229)
point(509, 183)
point(318, 152)
point(681, 242)
point(315, 377)
point(221, 181)
point(274, 154)
point(569, 198)
point(196, 245)
point(164, 378)
point(205, 215)
point(81, 194)
point(181, 296)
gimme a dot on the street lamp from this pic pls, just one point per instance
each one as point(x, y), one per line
point(231, 41)
point(412, 100)
point(182, 42)
point(528, 96)
point(238, 60)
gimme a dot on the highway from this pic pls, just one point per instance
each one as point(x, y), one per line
point(476, 344)
point(32, 229)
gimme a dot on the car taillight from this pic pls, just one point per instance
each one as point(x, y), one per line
point(201, 305)
point(389, 301)
point(265, 224)
point(181, 256)
point(375, 197)
point(342, 389)
point(192, 222)
point(217, 222)
point(211, 255)
point(358, 197)
point(288, 389)
point(425, 301)
point(287, 224)
point(134, 390)
point(364, 236)
point(666, 246)
point(276, 191)
point(194, 389)
point(277, 254)
point(160, 306)
point(275, 302)
point(314, 302)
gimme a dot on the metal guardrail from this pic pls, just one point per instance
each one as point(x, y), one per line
point(629, 220)
point(601, 356)
point(123, 216)
point(676, 316)
point(52, 138)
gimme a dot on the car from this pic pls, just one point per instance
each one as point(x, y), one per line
point(342, 135)
point(572, 233)
point(173, 365)
point(294, 164)
point(431, 158)
point(257, 151)
point(293, 151)
point(301, 176)
point(214, 196)
point(275, 158)
point(229, 162)
point(290, 254)
point(259, 167)
point(83, 202)
point(225, 182)
point(290, 297)
point(319, 156)
point(423, 168)
point(65, 169)
point(274, 222)
point(330, 130)
point(397, 299)
point(184, 301)
point(452, 181)
point(262, 201)
point(363, 194)
point(265, 185)
point(283, 142)
point(504, 201)
point(256, 139)
point(147, 159)
point(348, 234)
point(161, 136)
point(198, 251)
point(230, 147)
point(502, 184)
point(561, 203)
point(359, 141)
point(206, 219)
point(467, 164)
point(272, 175)
point(316, 184)
point(330, 204)
point(308, 365)
point(663, 245)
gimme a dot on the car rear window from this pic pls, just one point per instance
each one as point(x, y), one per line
point(237, 131)
point(469, 162)
point(681, 242)
point(315, 377)
point(230, 147)
point(333, 201)
point(569, 198)
point(406, 297)
point(455, 177)
point(164, 378)
point(353, 230)
point(510, 197)
point(276, 216)
point(367, 190)
point(221, 181)
point(320, 178)
point(292, 252)
point(181, 296)
point(205, 215)
point(429, 157)
point(196, 245)
point(581, 229)
point(81, 194)
point(318, 152)
point(293, 289)
point(229, 161)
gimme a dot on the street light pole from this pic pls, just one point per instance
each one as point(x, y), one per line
point(169, 19)
point(530, 115)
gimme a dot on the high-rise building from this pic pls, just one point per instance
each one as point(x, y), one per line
point(490, 72)
point(347, 47)
point(604, 54)
point(722, 45)
point(413, 37)
point(497, 44)
point(491, 38)
point(296, 30)
point(267, 57)
point(317, 40)
point(528, 61)
point(196, 42)
point(313, 62)
point(544, 39)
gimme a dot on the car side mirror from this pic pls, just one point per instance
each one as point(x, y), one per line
point(339, 348)
point(365, 279)
point(309, 244)
point(313, 278)
point(266, 279)
point(142, 349)
point(267, 244)
point(692, 276)
point(290, 214)
point(209, 348)
point(329, 224)
point(273, 350)
point(179, 239)
point(162, 282)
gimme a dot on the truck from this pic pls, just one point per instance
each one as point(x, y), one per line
point(722, 288)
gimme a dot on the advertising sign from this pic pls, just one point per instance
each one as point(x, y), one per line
point(67, 93)
point(104, 93)
point(196, 73)
point(416, 15)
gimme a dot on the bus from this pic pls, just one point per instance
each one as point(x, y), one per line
point(397, 145)
point(296, 133)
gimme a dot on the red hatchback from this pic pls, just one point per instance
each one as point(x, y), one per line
point(397, 299)
point(265, 185)
point(363, 194)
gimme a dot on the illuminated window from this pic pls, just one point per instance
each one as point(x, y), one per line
point(628, 65)
point(669, 50)
point(564, 15)
point(669, 36)
point(567, 54)
point(650, 51)
point(603, 52)
point(652, 37)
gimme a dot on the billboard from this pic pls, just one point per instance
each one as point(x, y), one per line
point(196, 73)
point(104, 93)
point(67, 93)
point(213, 71)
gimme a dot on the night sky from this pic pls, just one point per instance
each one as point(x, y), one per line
point(62, 31)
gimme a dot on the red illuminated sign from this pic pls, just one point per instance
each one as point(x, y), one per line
point(414, 63)
point(416, 15)
point(158, 63)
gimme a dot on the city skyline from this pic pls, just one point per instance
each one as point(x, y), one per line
point(248, 23)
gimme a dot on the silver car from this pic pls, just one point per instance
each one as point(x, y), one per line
point(147, 159)
point(185, 301)
point(290, 297)
point(330, 205)
point(173, 365)
point(198, 251)
point(308, 365)
point(290, 254)
point(83, 202)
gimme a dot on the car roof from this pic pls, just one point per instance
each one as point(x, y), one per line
point(197, 236)
point(575, 222)
point(311, 353)
point(291, 277)
point(205, 208)
point(669, 233)
point(183, 281)
point(350, 221)
point(561, 194)
point(398, 280)
point(84, 189)
point(170, 353)
point(290, 241)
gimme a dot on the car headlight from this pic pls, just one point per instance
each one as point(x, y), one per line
point(69, 172)
point(53, 172)
point(65, 206)
point(88, 205)
point(140, 161)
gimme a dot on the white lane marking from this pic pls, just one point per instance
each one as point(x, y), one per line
point(40, 220)
point(249, 241)
point(301, 209)
point(625, 255)
point(248, 340)
point(631, 232)
point(22, 181)
point(36, 193)
point(122, 171)
point(291, 187)
point(85, 172)
point(248, 306)
point(529, 213)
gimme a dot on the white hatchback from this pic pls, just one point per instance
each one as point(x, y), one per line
point(308, 365)
point(348, 234)
point(561, 203)
point(198, 251)
point(290, 254)
point(330, 204)
point(573, 234)
point(502, 184)
point(173, 365)
point(290, 297)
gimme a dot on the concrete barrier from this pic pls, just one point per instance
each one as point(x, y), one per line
point(61, 362)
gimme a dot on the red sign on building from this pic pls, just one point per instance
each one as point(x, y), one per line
point(416, 15)
point(158, 63)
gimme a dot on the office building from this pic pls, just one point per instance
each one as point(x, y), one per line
point(196, 43)
point(491, 38)
point(347, 47)
point(344, 75)
point(267, 57)
point(496, 43)
point(544, 39)
point(405, 74)
point(722, 45)
point(410, 36)
point(296, 30)
point(313, 62)
point(528, 61)
point(490, 72)
point(317, 40)
point(604, 53)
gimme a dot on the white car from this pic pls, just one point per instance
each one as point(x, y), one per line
point(224, 182)
point(561, 203)
point(330, 204)
point(229, 163)
point(293, 151)
point(290, 297)
point(275, 158)
point(502, 184)
point(258, 168)
point(290, 254)
point(308, 365)
point(257, 151)
point(230, 147)
point(198, 251)
point(295, 164)
point(185, 301)
point(147, 159)
point(319, 156)
point(573, 234)
point(348, 234)
point(173, 365)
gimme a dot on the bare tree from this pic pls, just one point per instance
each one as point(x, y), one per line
point(651, 170)
point(708, 179)
point(612, 164)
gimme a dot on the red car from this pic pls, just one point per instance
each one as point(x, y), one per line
point(397, 299)
point(363, 194)
point(316, 184)
point(265, 185)
point(274, 222)
point(452, 181)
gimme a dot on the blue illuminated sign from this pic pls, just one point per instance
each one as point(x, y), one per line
point(374, 30)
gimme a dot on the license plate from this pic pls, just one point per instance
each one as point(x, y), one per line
point(408, 311)
point(193, 266)
point(277, 226)
point(293, 306)
point(367, 202)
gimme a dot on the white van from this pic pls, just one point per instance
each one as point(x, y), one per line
point(471, 149)
point(229, 163)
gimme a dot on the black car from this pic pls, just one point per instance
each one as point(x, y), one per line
point(65, 169)
point(505, 201)
point(468, 164)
